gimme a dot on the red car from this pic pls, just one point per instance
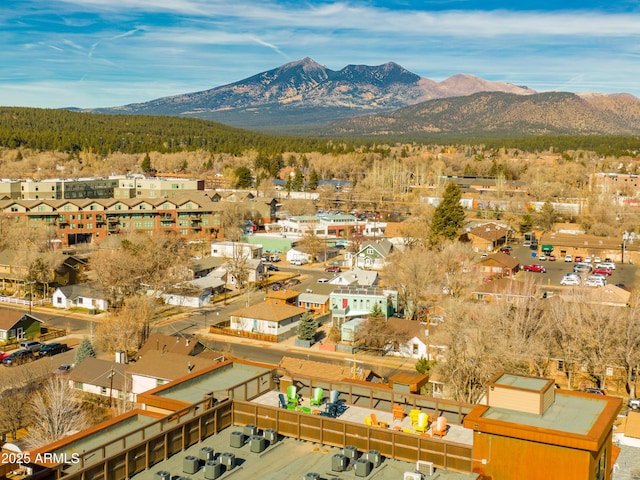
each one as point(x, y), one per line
point(577, 258)
point(534, 268)
point(333, 269)
point(602, 271)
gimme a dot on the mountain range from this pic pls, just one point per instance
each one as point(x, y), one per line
point(305, 97)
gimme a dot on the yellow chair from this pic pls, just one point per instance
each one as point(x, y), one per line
point(413, 415)
point(423, 423)
point(367, 421)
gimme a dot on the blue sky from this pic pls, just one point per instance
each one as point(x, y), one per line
point(97, 53)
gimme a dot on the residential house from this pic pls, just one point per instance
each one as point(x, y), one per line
point(505, 290)
point(314, 302)
point(101, 377)
point(298, 255)
point(186, 295)
point(372, 255)
point(233, 250)
point(355, 301)
point(499, 265)
point(202, 267)
point(357, 276)
point(290, 297)
point(253, 271)
point(83, 295)
point(528, 429)
point(71, 270)
point(270, 318)
point(157, 367)
point(17, 325)
point(13, 269)
point(171, 344)
point(419, 343)
point(488, 237)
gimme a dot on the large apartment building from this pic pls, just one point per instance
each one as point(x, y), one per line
point(70, 222)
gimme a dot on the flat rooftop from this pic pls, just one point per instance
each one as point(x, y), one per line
point(568, 413)
point(285, 459)
point(192, 390)
point(106, 435)
point(518, 381)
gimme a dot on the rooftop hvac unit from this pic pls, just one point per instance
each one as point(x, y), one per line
point(425, 468)
point(257, 443)
point(236, 439)
point(339, 463)
point(213, 470)
point(374, 457)
point(351, 452)
point(206, 454)
point(162, 475)
point(311, 476)
point(250, 429)
point(190, 464)
point(363, 467)
point(228, 460)
point(271, 435)
point(412, 476)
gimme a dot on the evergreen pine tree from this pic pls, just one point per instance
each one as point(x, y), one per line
point(145, 166)
point(448, 217)
point(298, 181)
point(85, 349)
point(313, 180)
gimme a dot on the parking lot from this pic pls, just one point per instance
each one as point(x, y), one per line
point(622, 275)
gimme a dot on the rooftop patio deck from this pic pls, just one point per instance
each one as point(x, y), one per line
point(357, 414)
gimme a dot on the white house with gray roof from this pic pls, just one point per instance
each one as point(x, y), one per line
point(372, 255)
point(83, 295)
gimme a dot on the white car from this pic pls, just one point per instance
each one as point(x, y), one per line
point(595, 281)
point(587, 260)
point(573, 280)
point(597, 260)
point(323, 280)
point(568, 258)
point(610, 265)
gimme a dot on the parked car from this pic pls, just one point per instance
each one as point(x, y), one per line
point(587, 260)
point(542, 257)
point(551, 258)
point(50, 349)
point(572, 280)
point(506, 249)
point(577, 259)
point(582, 268)
point(601, 271)
point(596, 391)
point(31, 345)
point(18, 357)
point(595, 281)
point(272, 268)
point(634, 403)
point(534, 268)
point(322, 280)
point(333, 269)
point(274, 258)
point(597, 260)
point(3, 355)
point(64, 368)
point(568, 258)
point(610, 265)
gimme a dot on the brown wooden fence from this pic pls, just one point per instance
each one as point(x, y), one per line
point(339, 433)
point(265, 337)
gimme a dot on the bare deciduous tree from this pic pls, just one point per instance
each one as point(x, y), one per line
point(55, 413)
point(126, 328)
